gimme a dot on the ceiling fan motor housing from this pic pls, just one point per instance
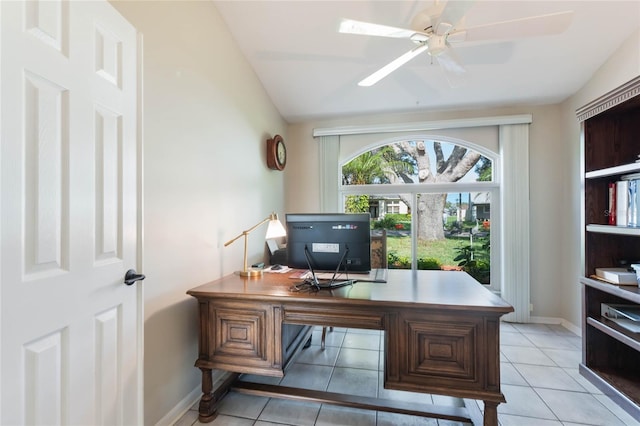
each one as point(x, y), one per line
point(437, 44)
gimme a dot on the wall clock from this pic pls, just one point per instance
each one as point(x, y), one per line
point(276, 153)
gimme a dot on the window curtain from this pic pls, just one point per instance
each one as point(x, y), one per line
point(514, 153)
point(329, 151)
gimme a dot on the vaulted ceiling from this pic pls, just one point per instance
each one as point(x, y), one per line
point(311, 71)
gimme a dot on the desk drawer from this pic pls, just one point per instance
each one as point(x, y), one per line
point(330, 316)
point(241, 337)
point(431, 353)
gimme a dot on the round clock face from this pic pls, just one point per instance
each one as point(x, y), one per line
point(281, 153)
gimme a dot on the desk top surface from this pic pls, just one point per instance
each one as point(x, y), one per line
point(433, 289)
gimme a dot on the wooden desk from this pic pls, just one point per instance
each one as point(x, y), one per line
point(442, 336)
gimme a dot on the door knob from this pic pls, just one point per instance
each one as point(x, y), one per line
point(132, 276)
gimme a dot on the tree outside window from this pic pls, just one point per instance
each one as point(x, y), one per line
point(451, 228)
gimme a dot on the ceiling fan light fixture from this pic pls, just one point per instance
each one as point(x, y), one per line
point(437, 45)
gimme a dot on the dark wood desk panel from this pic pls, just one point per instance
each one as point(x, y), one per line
point(441, 332)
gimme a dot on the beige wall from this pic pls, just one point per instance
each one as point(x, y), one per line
point(206, 120)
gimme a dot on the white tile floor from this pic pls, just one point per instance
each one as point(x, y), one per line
point(539, 372)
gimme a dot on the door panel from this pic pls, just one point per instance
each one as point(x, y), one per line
point(69, 326)
point(46, 189)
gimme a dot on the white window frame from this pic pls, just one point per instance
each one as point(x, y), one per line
point(493, 187)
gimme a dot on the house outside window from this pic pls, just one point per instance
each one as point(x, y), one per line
point(394, 207)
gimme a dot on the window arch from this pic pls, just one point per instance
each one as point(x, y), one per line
point(432, 196)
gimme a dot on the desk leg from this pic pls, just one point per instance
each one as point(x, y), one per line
point(211, 396)
point(490, 413)
point(207, 412)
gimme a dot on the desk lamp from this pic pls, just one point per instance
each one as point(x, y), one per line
point(274, 230)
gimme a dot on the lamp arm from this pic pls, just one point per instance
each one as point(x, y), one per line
point(272, 216)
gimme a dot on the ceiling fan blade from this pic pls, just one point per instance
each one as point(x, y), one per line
point(554, 23)
point(453, 69)
point(392, 66)
point(452, 13)
point(349, 26)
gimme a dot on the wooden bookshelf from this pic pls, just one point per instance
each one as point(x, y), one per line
point(610, 128)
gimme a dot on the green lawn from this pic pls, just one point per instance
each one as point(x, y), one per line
point(444, 250)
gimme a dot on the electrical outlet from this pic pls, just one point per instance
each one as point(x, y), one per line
point(530, 307)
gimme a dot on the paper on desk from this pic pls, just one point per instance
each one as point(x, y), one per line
point(282, 270)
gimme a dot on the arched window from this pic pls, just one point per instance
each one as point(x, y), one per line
point(432, 199)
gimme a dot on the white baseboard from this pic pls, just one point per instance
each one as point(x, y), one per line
point(187, 402)
point(561, 321)
point(182, 407)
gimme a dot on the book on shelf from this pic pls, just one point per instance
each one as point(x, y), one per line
point(611, 212)
point(616, 310)
point(627, 316)
point(632, 214)
point(617, 275)
point(622, 202)
point(633, 199)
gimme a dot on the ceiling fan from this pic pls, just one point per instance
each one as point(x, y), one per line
point(435, 29)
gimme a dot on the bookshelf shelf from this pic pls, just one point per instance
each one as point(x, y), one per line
point(610, 129)
point(611, 229)
point(613, 171)
point(627, 292)
point(610, 328)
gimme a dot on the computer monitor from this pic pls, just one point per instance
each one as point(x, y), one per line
point(329, 241)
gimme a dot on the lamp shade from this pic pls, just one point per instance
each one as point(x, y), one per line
point(275, 229)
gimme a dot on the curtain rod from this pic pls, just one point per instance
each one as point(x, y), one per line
point(423, 125)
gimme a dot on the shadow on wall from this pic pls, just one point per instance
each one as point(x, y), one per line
point(170, 352)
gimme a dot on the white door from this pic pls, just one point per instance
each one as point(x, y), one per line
point(70, 334)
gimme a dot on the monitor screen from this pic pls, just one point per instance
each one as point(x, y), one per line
point(329, 241)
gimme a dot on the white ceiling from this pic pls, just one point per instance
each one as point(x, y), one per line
point(311, 71)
